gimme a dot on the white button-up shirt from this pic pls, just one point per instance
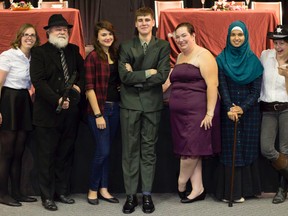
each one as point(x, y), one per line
point(16, 65)
point(273, 85)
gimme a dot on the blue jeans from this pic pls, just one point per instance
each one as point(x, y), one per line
point(103, 139)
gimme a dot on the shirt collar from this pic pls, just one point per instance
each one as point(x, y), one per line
point(19, 52)
point(142, 42)
point(272, 54)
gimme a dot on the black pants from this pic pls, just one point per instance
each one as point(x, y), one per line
point(55, 147)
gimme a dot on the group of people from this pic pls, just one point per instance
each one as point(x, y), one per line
point(247, 87)
point(123, 86)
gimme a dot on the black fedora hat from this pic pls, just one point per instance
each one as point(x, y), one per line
point(57, 20)
point(280, 32)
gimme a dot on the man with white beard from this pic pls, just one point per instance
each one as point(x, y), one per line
point(54, 66)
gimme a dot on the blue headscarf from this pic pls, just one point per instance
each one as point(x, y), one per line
point(239, 63)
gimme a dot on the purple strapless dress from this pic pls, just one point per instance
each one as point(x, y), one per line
point(188, 105)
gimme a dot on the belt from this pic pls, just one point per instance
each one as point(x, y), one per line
point(111, 103)
point(273, 107)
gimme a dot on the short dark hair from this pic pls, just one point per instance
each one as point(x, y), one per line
point(189, 27)
point(17, 42)
point(144, 11)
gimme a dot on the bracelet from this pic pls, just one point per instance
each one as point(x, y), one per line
point(209, 115)
point(98, 115)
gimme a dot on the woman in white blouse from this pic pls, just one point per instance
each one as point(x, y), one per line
point(274, 106)
point(15, 112)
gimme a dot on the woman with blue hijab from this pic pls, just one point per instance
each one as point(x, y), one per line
point(240, 76)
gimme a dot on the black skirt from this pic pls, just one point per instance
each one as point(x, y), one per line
point(16, 109)
point(246, 182)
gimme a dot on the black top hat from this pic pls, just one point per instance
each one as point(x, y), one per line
point(279, 33)
point(57, 20)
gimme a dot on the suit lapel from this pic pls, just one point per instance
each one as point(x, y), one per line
point(144, 61)
point(151, 53)
point(138, 54)
point(54, 54)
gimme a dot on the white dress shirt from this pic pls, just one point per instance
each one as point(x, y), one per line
point(17, 65)
point(273, 85)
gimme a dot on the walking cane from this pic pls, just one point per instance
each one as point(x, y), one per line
point(230, 204)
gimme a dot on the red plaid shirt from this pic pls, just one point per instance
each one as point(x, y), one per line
point(97, 77)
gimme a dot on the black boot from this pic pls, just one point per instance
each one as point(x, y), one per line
point(281, 193)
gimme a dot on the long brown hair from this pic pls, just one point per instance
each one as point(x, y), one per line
point(17, 42)
point(104, 24)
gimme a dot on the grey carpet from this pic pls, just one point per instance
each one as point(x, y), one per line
point(166, 205)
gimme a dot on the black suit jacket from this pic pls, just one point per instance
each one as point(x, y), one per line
point(48, 79)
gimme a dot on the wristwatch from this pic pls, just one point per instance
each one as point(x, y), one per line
point(98, 115)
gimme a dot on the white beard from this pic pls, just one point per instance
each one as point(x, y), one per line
point(59, 42)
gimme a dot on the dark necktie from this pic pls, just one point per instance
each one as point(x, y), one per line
point(64, 65)
point(145, 46)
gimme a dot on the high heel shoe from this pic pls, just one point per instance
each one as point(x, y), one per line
point(182, 194)
point(198, 198)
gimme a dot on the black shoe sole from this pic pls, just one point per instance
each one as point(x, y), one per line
point(128, 211)
point(148, 211)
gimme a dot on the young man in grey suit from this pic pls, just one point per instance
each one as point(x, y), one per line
point(144, 66)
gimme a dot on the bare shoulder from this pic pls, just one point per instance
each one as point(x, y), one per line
point(205, 56)
point(204, 53)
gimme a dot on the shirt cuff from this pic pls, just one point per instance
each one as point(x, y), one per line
point(147, 74)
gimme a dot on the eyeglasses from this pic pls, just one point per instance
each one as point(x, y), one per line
point(26, 35)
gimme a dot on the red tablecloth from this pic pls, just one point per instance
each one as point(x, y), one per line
point(10, 21)
point(212, 27)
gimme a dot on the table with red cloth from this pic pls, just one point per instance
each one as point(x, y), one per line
point(10, 21)
point(211, 27)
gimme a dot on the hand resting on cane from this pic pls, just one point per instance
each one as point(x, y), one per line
point(235, 113)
